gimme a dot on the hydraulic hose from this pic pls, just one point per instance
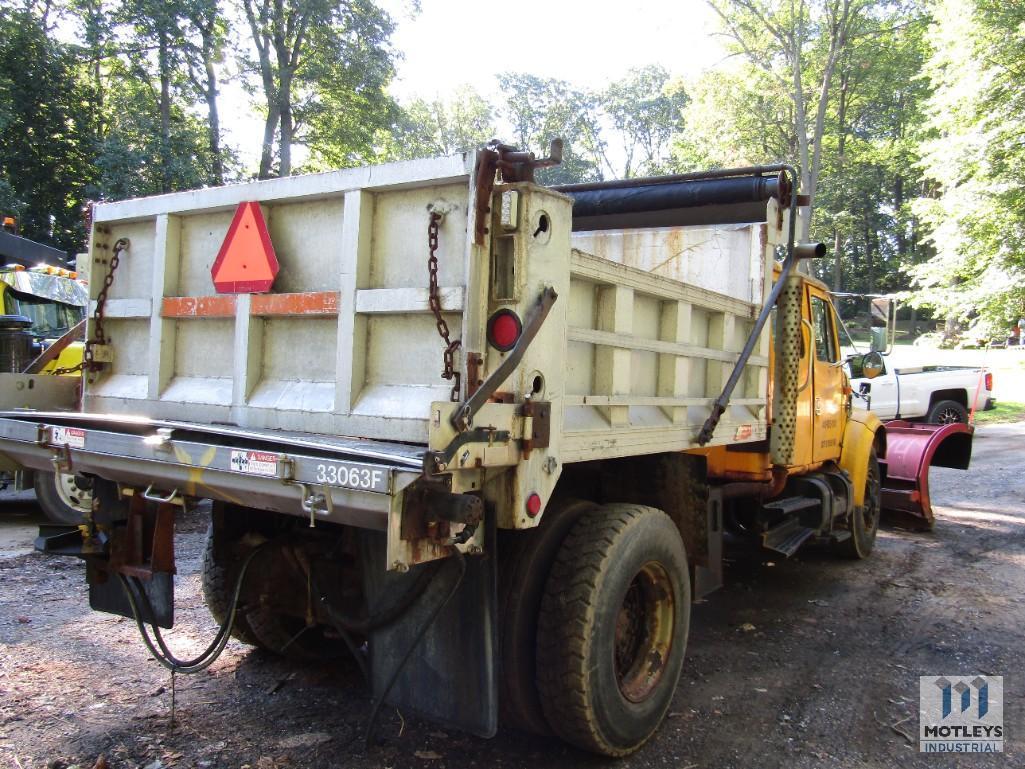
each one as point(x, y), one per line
point(163, 654)
point(385, 616)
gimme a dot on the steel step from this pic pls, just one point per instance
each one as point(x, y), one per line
point(790, 505)
point(787, 537)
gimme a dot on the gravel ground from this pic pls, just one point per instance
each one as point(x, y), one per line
point(811, 662)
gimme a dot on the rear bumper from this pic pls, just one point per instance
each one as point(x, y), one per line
point(341, 480)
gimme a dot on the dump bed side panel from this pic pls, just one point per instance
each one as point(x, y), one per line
point(344, 343)
point(657, 319)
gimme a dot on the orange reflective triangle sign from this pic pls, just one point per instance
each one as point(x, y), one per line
point(246, 262)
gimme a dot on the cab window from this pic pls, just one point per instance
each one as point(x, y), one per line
point(822, 320)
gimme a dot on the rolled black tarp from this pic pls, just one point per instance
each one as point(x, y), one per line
point(653, 203)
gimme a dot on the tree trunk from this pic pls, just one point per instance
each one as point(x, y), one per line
point(213, 118)
point(270, 127)
point(898, 204)
point(165, 111)
point(870, 261)
point(285, 155)
point(837, 260)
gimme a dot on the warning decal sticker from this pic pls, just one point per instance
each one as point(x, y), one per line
point(254, 462)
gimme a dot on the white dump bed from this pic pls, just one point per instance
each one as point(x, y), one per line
point(345, 344)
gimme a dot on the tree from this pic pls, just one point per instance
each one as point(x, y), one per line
point(645, 110)
point(204, 51)
point(323, 61)
point(541, 109)
point(45, 137)
point(158, 26)
point(976, 161)
point(781, 39)
point(463, 122)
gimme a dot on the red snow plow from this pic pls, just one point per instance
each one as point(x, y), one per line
point(911, 449)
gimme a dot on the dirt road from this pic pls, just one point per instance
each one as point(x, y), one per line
point(812, 662)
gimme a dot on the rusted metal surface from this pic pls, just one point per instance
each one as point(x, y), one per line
point(474, 366)
point(644, 632)
point(519, 166)
point(487, 166)
point(198, 307)
point(911, 449)
point(321, 303)
point(434, 301)
point(324, 303)
point(540, 414)
point(145, 546)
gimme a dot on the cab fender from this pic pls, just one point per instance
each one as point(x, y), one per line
point(863, 432)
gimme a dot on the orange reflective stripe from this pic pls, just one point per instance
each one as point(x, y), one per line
point(198, 307)
point(308, 303)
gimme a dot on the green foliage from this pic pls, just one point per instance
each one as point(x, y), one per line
point(645, 110)
point(541, 109)
point(461, 123)
point(133, 157)
point(44, 131)
point(866, 57)
point(976, 160)
point(349, 67)
point(323, 66)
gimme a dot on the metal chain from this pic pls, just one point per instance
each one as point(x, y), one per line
point(99, 337)
point(434, 301)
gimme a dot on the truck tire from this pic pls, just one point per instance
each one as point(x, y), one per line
point(255, 623)
point(218, 587)
point(525, 561)
point(61, 498)
point(612, 632)
point(864, 521)
point(947, 412)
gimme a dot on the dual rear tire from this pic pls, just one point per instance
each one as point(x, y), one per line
point(611, 632)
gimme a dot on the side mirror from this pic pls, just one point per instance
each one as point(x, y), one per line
point(872, 365)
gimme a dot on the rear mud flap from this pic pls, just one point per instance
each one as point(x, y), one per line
point(451, 677)
point(106, 594)
point(911, 449)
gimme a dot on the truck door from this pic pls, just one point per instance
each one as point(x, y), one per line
point(827, 379)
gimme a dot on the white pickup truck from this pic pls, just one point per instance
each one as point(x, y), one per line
point(937, 394)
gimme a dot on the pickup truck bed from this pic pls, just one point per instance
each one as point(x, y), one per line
point(924, 393)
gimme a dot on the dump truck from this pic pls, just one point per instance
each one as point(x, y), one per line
point(485, 435)
point(41, 349)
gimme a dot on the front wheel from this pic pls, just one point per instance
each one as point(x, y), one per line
point(612, 631)
point(864, 521)
point(61, 497)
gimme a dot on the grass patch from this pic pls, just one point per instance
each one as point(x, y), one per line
point(1005, 411)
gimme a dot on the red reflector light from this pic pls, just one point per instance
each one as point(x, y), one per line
point(989, 382)
point(504, 330)
point(533, 505)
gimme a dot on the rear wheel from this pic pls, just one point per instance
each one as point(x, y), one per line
point(220, 573)
point(260, 619)
point(526, 559)
point(61, 497)
point(613, 628)
point(864, 520)
point(947, 412)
